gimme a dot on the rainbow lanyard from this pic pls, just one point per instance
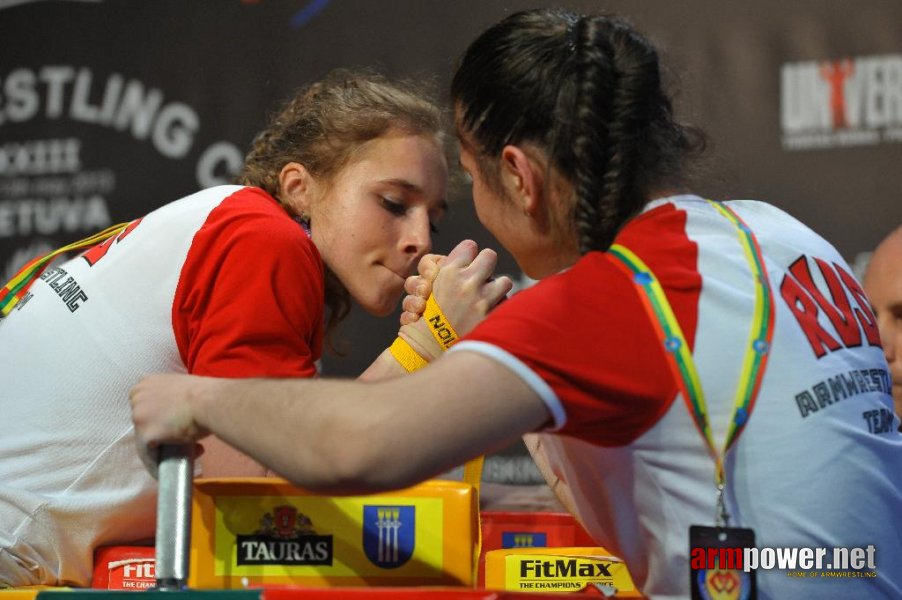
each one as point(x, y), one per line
point(679, 355)
point(15, 288)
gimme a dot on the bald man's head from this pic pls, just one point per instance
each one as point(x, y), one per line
point(883, 285)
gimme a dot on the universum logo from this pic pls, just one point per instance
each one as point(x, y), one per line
point(844, 102)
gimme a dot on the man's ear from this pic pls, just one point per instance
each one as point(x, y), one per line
point(523, 177)
point(296, 188)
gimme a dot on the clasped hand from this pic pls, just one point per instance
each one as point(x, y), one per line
point(461, 284)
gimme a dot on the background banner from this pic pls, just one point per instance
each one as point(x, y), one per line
point(111, 108)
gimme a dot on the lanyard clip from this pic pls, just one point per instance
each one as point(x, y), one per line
point(721, 516)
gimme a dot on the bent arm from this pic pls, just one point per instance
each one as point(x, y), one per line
point(348, 437)
point(269, 264)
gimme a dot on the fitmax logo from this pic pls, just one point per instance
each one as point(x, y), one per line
point(563, 568)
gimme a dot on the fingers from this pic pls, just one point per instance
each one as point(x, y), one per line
point(417, 285)
point(162, 414)
point(467, 269)
point(496, 290)
point(464, 251)
point(483, 266)
point(429, 266)
point(461, 255)
point(414, 304)
point(148, 452)
point(149, 456)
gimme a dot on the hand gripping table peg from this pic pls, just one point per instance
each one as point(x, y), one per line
point(173, 539)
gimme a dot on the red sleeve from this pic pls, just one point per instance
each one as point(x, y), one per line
point(250, 296)
point(586, 334)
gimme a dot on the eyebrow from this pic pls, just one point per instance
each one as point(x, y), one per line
point(893, 308)
point(413, 188)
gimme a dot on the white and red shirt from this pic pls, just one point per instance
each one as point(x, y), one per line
point(819, 463)
point(222, 283)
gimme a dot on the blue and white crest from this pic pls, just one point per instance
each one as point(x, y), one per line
point(389, 534)
point(524, 539)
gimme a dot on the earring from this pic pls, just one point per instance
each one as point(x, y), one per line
point(303, 220)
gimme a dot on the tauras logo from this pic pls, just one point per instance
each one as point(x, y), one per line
point(285, 537)
point(312, 550)
point(841, 102)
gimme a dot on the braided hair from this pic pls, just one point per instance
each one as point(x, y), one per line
point(587, 91)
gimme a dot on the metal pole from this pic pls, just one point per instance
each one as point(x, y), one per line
point(173, 541)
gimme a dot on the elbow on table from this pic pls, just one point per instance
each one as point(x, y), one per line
point(355, 465)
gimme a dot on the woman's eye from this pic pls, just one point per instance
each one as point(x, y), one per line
point(395, 208)
point(432, 228)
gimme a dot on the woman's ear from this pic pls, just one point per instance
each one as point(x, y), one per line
point(296, 188)
point(523, 177)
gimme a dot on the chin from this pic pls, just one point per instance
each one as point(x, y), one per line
point(379, 307)
point(534, 271)
point(380, 311)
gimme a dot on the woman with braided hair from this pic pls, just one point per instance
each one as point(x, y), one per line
point(699, 373)
point(336, 202)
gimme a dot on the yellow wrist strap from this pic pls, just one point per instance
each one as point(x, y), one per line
point(406, 355)
point(411, 361)
point(438, 324)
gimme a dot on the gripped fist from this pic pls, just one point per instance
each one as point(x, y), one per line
point(162, 412)
point(419, 286)
point(462, 287)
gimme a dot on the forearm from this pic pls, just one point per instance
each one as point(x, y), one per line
point(346, 437)
point(332, 436)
